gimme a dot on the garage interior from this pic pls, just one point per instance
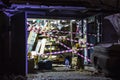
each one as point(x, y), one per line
point(34, 34)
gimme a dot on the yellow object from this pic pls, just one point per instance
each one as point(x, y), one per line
point(36, 59)
point(50, 53)
point(29, 55)
point(77, 45)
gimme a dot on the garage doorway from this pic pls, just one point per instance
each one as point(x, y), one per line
point(53, 40)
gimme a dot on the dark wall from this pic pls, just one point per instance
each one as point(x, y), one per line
point(109, 33)
point(18, 44)
point(4, 43)
point(13, 44)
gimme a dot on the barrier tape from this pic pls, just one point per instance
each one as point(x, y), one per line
point(71, 50)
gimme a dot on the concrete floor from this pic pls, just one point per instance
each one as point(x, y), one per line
point(60, 72)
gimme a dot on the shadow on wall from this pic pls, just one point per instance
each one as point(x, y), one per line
point(109, 32)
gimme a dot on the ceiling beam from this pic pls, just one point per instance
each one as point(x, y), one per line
point(54, 2)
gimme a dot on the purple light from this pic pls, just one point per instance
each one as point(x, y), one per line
point(65, 32)
point(38, 31)
point(69, 50)
point(84, 57)
point(64, 45)
point(60, 52)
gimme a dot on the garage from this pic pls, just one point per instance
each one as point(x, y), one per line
point(47, 32)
